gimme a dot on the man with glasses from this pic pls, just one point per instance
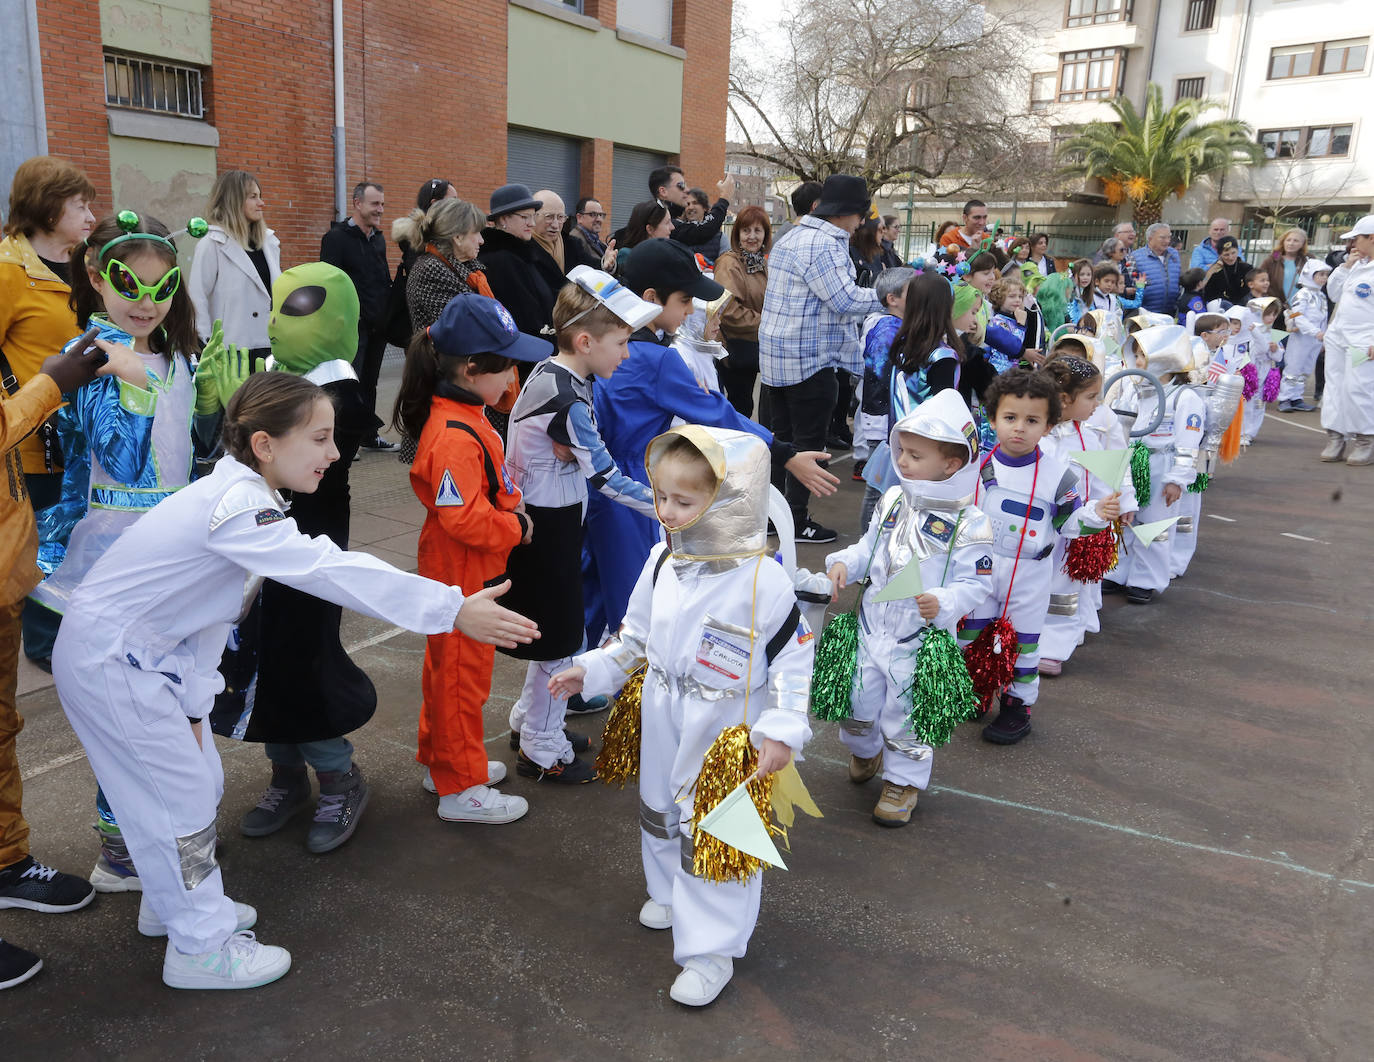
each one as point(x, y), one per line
point(669, 187)
point(588, 219)
point(555, 253)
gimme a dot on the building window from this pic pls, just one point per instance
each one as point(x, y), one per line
point(1189, 88)
point(653, 18)
point(1091, 75)
point(152, 85)
point(1309, 142)
point(1305, 60)
point(1042, 91)
point(1095, 12)
point(1201, 14)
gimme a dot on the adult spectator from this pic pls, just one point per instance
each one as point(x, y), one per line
point(743, 271)
point(49, 214)
point(1284, 266)
point(1040, 254)
point(1159, 266)
point(449, 235)
point(649, 220)
point(508, 253)
point(974, 228)
point(555, 253)
point(812, 310)
point(356, 245)
point(805, 196)
point(235, 265)
point(1225, 277)
point(666, 184)
point(399, 329)
point(866, 250)
point(1125, 232)
point(1112, 250)
point(698, 205)
point(888, 231)
point(1209, 250)
point(585, 226)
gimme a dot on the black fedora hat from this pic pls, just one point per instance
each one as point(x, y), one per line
point(511, 198)
point(842, 194)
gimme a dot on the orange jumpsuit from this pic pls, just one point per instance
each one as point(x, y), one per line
point(469, 530)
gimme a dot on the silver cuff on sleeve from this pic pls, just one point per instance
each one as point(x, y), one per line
point(197, 854)
point(789, 692)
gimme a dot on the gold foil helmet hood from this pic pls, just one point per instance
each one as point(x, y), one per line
point(735, 523)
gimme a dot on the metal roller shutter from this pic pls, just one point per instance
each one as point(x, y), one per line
point(544, 160)
point(630, 180)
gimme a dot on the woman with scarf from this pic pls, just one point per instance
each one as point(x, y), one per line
point(743, 271)
point(1226, 276)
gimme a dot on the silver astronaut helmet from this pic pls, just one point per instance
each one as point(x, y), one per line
point(1167, 349)
point(734, 525)
point(943, 417)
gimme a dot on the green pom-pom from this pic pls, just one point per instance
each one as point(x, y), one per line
point(1140, 471)
point(1200, 484)
point(941, 691)
point(127, 220)
point(197, 227)
point(832, 677)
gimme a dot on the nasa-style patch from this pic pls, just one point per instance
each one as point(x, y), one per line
point(1194, 422)
point(268, 516)
point(506, 481)
point(447, 494)
point(938, 528)
point(804, 634)
point(983, 566)
point(1362, 290)
point(506, 319)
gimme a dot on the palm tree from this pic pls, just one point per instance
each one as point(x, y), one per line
point(1148, 157)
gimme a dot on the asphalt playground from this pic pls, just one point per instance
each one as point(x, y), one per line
point(1175, 864)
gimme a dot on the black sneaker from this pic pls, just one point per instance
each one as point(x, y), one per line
point(577, 772)
point(31, 885)
point(379, 445)
point(343, 798)
point(1138, 595)
point(578, 705)
point(580, 742)
point(838, 442)
point(1012, 722)
point(286, 794)
point(858, 474)
point(814, 533)
point(1300, 406)
point(16, 965)
point(1110, 587)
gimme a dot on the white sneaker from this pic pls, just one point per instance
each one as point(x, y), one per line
point(656, 915)
point(150, 925)
point(480, 803)
point(241, 963)
point(496, 773)
point(702, 978)
point(103, 879)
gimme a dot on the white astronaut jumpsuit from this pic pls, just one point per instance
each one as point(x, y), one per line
point(937, 522)
point(704, 620)
point(138, 654)
point(1306, 319)
point(1348, 401)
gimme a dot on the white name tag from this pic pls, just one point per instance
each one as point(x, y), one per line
point(723, 654)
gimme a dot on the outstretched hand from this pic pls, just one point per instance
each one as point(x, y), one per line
point(74, 370)
point(806, 466)
point(608, 258)
point(483, 620)
point(222, 369)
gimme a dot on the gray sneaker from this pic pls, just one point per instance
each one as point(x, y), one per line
point(343, 797)
point(288, 793)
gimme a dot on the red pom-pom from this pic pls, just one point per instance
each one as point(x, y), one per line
point(1090, 557)
point(991, 660)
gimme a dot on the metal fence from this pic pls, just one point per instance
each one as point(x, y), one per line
point(1067, 239)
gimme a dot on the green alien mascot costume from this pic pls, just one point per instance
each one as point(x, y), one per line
point(288, 681)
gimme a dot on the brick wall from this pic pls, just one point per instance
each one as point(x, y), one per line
point(703, 28)
point(74, 88)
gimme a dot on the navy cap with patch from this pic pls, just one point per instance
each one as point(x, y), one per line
point(475, 324)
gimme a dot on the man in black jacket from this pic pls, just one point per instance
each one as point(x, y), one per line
point(356, 245)
point(669, 187)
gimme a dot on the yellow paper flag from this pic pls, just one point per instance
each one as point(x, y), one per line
point(789, 793)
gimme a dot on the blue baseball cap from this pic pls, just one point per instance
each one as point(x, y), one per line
point(475, 324)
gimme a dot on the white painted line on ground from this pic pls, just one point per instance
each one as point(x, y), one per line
point(1227, 519)
point(1303, 538)
point(53, 764)
point(376, 639)
point(1295, 424)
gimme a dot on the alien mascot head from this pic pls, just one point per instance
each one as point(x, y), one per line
point(314, 323)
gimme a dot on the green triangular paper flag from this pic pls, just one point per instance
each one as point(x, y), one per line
point(1358, 356)
point(1107, 465)
point(1111, 345)
point(1147, 533)
point(1277, 335)
point(736, 821)
point(905, 584)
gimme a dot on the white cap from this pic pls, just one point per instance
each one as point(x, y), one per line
point(620, 300)
point(1363, 227)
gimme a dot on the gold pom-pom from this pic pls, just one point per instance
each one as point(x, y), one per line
point(618, 760)
point(728, 762)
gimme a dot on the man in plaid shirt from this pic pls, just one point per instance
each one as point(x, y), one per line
point(812, 313)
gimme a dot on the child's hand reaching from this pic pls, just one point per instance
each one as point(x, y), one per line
point(929, 606)
point(1172, 493)
point(567, 682)
point(773, 755)
point(837, 574)
point(1109, 508)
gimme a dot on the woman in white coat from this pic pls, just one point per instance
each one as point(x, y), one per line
point(1348, 402)
point(235, 266)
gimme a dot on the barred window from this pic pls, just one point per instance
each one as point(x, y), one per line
point(153, 85)
point(1201, 14)
point(1189, 88)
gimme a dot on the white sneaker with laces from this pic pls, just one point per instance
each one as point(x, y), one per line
point(701, 980)
point(242, 962)
point(656, 915)
point(150, 925)
point(480, 803)
point(496, 773)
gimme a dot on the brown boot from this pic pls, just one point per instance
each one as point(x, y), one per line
point(861, 770)
point(895, 806)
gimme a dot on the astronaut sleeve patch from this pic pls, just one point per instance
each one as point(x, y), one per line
point(804, 634)
point(447, 494)
point(268, 516)
point(983, 566)
point(938, 528)
point(1194, 422)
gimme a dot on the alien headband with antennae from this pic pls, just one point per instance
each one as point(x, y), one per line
point(128, 220)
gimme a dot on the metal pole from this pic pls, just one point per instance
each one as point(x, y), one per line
point(340, 180)
point(910, 198)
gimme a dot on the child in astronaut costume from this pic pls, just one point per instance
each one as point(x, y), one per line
point(1261, 314)
point(137, 657)
point(1208, 361)
point(1306, 319)
point(928, 516)
point(715, 618)
point(1174, 450)
point(1031, 497)
point(1348, 401)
